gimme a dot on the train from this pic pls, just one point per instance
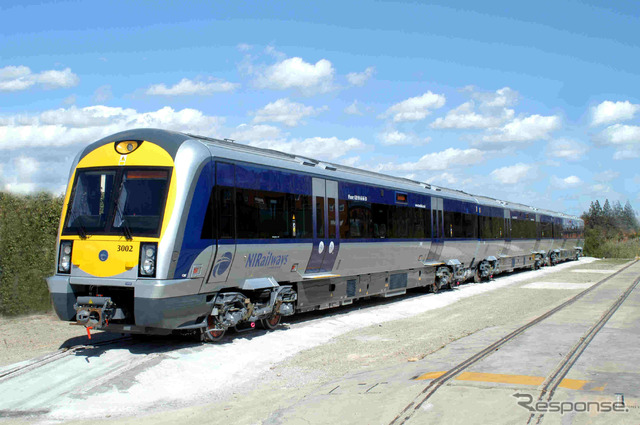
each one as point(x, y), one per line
point(165, 232)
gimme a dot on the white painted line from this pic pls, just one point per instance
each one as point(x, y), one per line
point(558, 285)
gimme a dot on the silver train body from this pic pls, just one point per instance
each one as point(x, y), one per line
point(164, 231)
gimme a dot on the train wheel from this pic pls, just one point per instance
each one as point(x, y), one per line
point(434, 287)
point(211, 333)
point(271, 323)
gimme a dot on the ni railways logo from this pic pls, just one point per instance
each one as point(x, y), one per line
point(268, 260)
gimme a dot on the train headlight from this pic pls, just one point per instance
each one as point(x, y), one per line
point(128, 146)
point(148, 259)
point(64, 257)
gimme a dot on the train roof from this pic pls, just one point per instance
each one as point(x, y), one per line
point(172, 140)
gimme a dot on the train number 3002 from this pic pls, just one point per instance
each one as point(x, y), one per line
point(125, 248)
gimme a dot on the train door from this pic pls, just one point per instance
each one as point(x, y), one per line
point(507, 232)
point(437, 228)
point(224, 224)
point(326, 234)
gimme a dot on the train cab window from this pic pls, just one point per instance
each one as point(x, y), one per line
point(141, 200)
point(92, 200)
point(121, 200)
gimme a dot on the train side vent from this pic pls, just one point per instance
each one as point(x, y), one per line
point(351, 288)
point(397, 281)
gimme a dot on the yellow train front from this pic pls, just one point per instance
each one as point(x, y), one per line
point(112, 265)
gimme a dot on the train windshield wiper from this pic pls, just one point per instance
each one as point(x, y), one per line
point(80, 229)
point(123, 221)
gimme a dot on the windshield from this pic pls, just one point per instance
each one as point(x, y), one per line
point(120, 201)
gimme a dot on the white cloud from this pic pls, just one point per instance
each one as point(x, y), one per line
point(415, 108)
point(25, 167)
point(23, 175)
point(606, 176)
point(442, 160)
point(610, 112)
point(395, 137)
point(599, 189)
point(63, 127)
point(353, 109)
point(244, 47)
point(566, 183)
point(57, 79)
point(626, 154)
point(465, 116)
point(327, 148)
point(102, 94)
point(70, 100)
point(286, 112)
point(501, 98)
point(569, 150)
point(246, 134)
point(625, 139)
point(513, 173)
point(295, 73)
point(360, 78)
point(620, 134)
point(533, 127)
point(12, 72)
point(352, 161)
point(16, 78)
point(443, 179)
point(23, 188)
point(190, 87)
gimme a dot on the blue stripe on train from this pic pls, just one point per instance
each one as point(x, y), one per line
point(192, 245)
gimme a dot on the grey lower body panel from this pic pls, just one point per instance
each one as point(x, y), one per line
point(171, 313)
point(159, 305)
point(62, 297)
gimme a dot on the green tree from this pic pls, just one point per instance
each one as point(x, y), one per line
point(629, 218)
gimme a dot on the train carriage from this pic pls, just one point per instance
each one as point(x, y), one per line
point(164, 231)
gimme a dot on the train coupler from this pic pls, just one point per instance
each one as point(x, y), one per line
point(95, 312)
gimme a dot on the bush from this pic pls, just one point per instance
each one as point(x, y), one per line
point(598, 244)
point(28, 229)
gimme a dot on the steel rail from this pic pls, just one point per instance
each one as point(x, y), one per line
point(554, 379)
point(410, 409)
point(56, 355)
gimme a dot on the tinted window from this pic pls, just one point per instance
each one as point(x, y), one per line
point(92, 200)
point(460, 220)
point(491, 227)
point(272, 215)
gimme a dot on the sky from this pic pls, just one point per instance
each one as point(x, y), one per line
point(530, 102)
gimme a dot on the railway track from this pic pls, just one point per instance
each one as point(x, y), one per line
point(56, 355)
point(554, 379)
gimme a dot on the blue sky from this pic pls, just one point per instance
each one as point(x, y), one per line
point(535, 103)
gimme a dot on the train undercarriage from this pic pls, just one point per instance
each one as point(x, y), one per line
point(263, 301)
